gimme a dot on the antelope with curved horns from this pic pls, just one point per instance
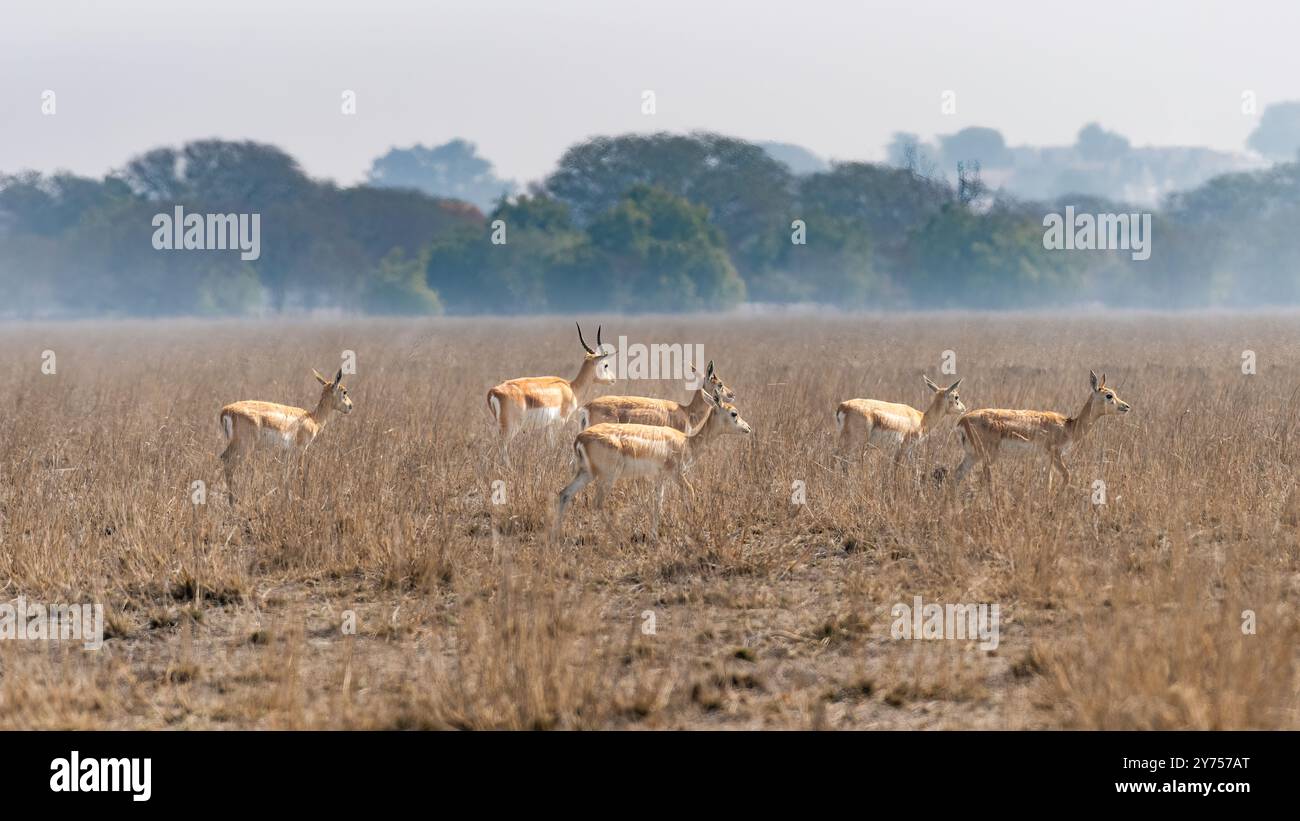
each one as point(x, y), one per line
point(606, 452)
point(985, 433)
point(547, 401)
point(640, 410)
point(250, 423)
point(873, 422)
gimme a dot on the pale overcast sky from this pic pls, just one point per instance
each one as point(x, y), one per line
point(526, 79)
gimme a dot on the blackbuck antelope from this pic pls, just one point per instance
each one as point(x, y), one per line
point(547, 401)
point(889, 425)
point(250, 423)
point(640, 410)
point(986, 433)
point(606, 452)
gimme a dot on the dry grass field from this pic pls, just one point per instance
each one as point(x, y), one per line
point(766, 614)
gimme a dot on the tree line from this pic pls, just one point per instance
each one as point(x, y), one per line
point(632, 223)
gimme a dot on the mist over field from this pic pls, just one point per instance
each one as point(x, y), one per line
point(410, 194)
point(628, 223)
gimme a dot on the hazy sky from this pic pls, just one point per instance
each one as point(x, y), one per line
point(526, 79)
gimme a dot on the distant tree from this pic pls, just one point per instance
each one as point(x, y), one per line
point(858, 209)
point(107, 264)
point(453, 169)
point(398, 287)
point(1278, 134)
point(537, 211)
point(1184, 270)
point(907, 151)
point(982, 145)
point(242, 174)
point(795, 157)
point(383, 219)
point(1243, 226)
point(155, 175)
point(309, 257)
point(473, 275)
point(643, 223)
point(1096, 144)
point(965, 258)
point(654, 251)
point(748, 194)
point(50, 205)
point(320, 245)
point(835, 266)
point(970, 185)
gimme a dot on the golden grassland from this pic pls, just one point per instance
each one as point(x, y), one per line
point(766, 614)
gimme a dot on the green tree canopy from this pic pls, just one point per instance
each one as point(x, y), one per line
point(748, 194)
point(654, 251)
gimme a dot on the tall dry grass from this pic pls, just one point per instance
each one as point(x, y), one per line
point(765, 613)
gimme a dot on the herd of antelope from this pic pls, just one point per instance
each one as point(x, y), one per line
point(660, 439)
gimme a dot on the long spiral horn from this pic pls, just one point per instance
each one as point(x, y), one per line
point(585, 346)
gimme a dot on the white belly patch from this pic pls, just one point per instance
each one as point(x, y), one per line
point(881, 437)
point(278, 438)
point(540, 417)
point(1014, 445)
point(641, 467)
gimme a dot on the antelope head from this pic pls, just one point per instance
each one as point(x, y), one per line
point(1104, 400)
point(600, 357)
point(713, 384)
point(946, 399)
point(725, 418)
point(333, 394)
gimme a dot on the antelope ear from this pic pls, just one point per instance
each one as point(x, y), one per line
point(339, 376)
point(709, 371)
point(1092, 378)
point(929, 383)
point(953, 386)
point(319, 378)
